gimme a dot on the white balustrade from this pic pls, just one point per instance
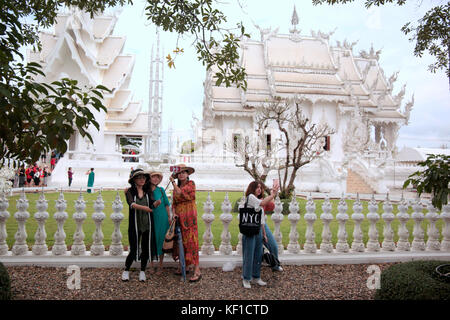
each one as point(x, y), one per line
point(326, 246)
point(373, 245)
point(208, 218)
point(226, 217)
point(342, 217)
point(445, 215)
point(418, 243)
point(20, 246)
point(60, 248)
point(116, 248)
point(433, 233)
point(277, 218)
point(357, 217)
point(78, 246)
point(40, 245)
point(4, 215)
point(293, 217)
point(97, 248)
point(388, 234)
point(403, 233)
point(239, 244)
point(310, 218)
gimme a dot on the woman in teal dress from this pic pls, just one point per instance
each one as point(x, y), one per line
point(90, 180)
point(160, 215)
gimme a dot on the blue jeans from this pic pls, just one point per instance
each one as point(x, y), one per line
point(271, 242)
point(251, 256)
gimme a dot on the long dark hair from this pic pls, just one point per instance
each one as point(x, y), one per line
point(146, 187)
point(251, 189)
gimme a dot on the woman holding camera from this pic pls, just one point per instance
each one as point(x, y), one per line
point(185, 208)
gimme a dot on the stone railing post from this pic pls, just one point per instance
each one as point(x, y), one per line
point(293, 217)
point(310, 218)
point(342, 217)
point(373, 244)
point(433, 232)
point(78, 246)
point(20, 247)
point(358, 217)
point(4, 215)
point(239, 244)
point(277, 218)
point(40, 245)
point(226, 217)
point(97, 248)
point(403, 233)
point(326, 246)
point(208, 218)
point(116, 248)
point(445, 215)
point(418, 243)
point(388, 234)
point(59, 247)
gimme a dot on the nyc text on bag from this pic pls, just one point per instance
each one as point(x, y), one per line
point(249, 220)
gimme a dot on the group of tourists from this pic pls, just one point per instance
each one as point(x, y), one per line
point(150, 217)
point(32, 176)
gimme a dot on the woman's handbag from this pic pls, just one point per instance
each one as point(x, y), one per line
point(170, 238)
point(249, 220)
point(269, 258)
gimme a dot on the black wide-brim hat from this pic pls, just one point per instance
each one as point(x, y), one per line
point(136, 173)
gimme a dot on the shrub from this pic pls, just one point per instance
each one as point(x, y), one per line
point(5, 283)
point(414, 280)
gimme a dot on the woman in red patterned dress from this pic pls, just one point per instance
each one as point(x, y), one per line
point(184, 207)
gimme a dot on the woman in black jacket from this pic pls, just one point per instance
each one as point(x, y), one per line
point(140, 229)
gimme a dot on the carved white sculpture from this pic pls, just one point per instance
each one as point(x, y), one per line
point(116, 248)
point(342, 217)
point(226, 217)
point(357, 217)
point(326, 246)
point(433, 232)
point(293, 217)
point(97, 248)
point(20, 247)
point(40, 246)
point(4, 215)
point(277, 218)
point(208, 218)
point(418, 243)
point(373, 244)
point(239, 245)
point(403, 233)
point(445, 215)
point(60, 248)
point(310, 218)
point(78, 247)
point(388, 234)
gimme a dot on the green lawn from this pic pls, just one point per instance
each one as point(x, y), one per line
point(217, 198)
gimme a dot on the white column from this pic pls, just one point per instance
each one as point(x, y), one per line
point(4, 215)
point(418, 243)
point(358, 217)
point(403, 233)
point(40, 246)
point(208, 218)
point(20, 247)
point(326, 246)
point(388, 234)
point(445, 215)
point(342, 217)
point(78, 246)
point(310, 218)
point(60, 248)
point(293, 217)
point(97, 248)
point(277, 218)
point(226, 217)
point(116, 248)
point(239, 245)
point(373, 244)
point(433, 232)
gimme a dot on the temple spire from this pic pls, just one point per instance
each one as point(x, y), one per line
point(294, 19)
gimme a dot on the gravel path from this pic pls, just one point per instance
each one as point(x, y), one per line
point(325, 282)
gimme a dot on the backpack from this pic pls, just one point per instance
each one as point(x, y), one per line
point(249, 220)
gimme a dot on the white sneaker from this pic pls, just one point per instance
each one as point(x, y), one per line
point(125, 276)
point(260, 282)
point(142, 276)
point(246, 284)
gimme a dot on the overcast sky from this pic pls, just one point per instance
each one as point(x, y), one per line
point(380, 26)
